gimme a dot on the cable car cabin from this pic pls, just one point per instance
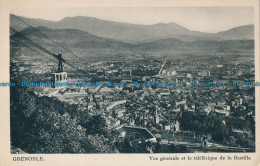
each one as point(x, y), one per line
point(58, 78)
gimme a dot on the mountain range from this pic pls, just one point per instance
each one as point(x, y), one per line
point(133, 33)
point(77, 40)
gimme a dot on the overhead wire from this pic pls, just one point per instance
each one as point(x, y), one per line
point(49, 38)
point(56, 43)
point(18, 34)
point(33, 50)
point(21, 36)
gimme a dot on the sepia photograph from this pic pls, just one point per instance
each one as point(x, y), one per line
point(93, 83)
point(167, 83)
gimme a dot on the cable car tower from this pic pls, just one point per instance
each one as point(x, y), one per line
point(59, 76)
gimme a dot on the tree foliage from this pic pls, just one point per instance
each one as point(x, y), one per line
point(47, 125)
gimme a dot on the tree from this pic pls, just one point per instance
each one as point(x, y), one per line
point(96, 144)
point(96, 125)
point(47, 125)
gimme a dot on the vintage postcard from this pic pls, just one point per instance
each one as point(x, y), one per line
point(129, 82)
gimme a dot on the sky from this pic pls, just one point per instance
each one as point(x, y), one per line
point(203, 19)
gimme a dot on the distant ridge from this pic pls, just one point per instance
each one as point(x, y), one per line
point(133, 33)
point(81, 40)
point(239, 33)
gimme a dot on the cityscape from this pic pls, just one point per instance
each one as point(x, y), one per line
point(157, 103)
